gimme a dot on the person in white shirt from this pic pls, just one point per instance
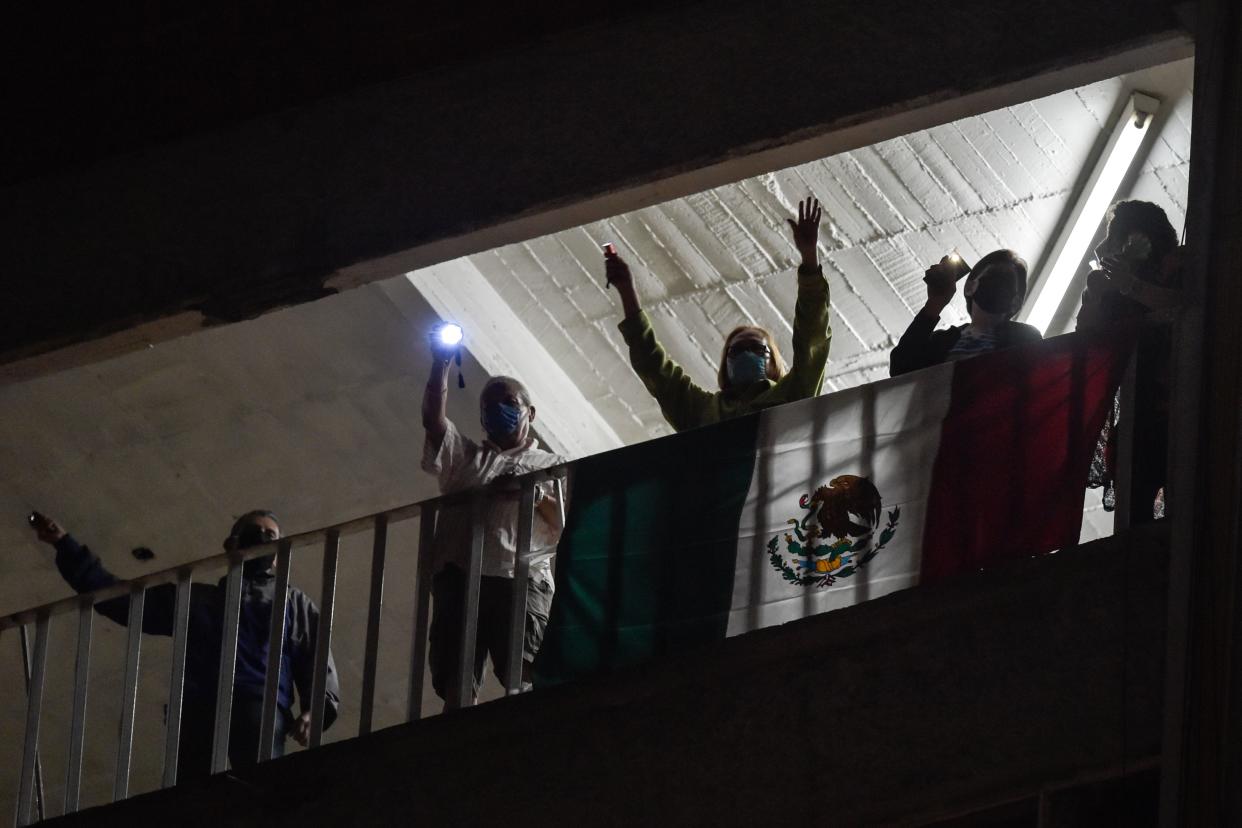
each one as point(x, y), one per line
point(508, 450)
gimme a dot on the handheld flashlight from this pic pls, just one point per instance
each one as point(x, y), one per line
point(450, 335)
point(959, 264)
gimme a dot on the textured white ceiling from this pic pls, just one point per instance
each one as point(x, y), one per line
point(723, 257)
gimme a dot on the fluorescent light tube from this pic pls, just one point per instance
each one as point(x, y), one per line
point(1070, 246)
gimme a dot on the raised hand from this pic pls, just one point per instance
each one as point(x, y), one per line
point(806, 230)
point(618, 273)
point(1118, 273)
point(941, 279)
point(48, 530)
point(440, 352)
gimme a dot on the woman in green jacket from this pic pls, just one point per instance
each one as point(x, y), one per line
point(752, 374)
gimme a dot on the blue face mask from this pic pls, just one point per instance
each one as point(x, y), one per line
point(502, 419)
point(746, 368)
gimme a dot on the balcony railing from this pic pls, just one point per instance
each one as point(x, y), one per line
point(31, 805)
point(30, 799)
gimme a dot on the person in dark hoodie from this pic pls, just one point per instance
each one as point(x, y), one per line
point(994, 291)
point(84, 571)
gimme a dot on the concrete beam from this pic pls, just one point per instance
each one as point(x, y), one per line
point(493, 150)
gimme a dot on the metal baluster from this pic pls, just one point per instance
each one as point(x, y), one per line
point(521, 578)
point(77, 729)
point(38, 769)
point(323, 636)
point(378, 554)
point(176, 682)
point(275, 652)
point(463, 691)
point(228, 665)
point(422, 603)
point(133, 652)
point(559, 483)
point(34, 709)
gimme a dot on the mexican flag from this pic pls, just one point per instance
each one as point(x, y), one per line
point(827, 502)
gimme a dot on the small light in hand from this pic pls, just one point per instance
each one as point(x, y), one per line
point(960, 268)
point(449, 334)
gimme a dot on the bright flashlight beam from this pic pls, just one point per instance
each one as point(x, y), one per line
point(449, 333)
point(1088, 211)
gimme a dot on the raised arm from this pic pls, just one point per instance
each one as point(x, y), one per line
point(85, 572)
point(618, 273)
point(913, 350)
point(681, 401)
point(812, 335)
point(435, 395)
point(1090, 309)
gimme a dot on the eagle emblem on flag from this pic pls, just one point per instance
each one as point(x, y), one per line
point(837, 535)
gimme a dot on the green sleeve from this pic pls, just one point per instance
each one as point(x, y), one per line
point(683, 403)
point(811, 337)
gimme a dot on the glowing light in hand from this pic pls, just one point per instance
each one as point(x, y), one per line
point(449, 334)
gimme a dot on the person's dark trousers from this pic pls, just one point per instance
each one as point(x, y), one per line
point(448, 593)
point(198, 729)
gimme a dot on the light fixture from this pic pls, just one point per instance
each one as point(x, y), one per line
point(1047, 292)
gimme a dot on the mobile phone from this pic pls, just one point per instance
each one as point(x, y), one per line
point(959, 265)
point(610, 252)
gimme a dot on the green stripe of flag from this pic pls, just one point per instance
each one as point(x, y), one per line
point(646, 563)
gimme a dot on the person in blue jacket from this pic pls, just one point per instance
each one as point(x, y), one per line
point(85, 572)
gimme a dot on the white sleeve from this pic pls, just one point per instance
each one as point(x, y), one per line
point(455, 451)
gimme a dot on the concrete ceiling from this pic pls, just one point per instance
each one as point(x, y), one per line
point(313, 410)
point(722, 258)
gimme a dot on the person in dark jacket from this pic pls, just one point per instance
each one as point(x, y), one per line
point(84, 571)
point(994, 291)
point(1137, 271)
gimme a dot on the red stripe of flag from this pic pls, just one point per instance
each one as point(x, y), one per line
point(1015, 450)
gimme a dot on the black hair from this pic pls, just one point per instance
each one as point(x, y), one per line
point(1148, 219)
point(248, 518)
point(1010, 259)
